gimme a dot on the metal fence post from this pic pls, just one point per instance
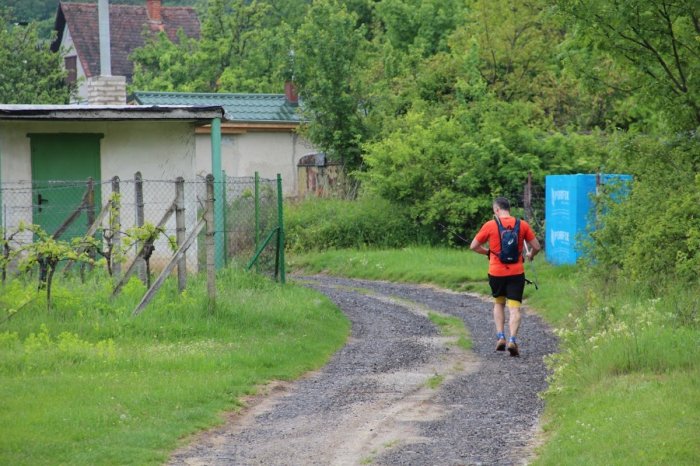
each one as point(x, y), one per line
point(224, 223)
point(180, 231)
point(257, 210)
point(115, 227)
point(138, 187)
point(210, 244)
point(280, 231)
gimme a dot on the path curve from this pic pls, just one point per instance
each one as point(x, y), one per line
point(373, 403)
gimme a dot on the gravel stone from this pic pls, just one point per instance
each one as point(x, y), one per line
point(371, 405)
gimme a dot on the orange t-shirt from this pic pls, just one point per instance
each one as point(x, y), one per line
point(489, 234)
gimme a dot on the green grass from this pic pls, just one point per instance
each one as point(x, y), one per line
point(630, 419)
point(88, 384)
point(559, 290)
point(435, 381)
point(452, 327)
point(451, 268)
point(625, 387)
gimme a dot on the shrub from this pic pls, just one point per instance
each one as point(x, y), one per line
point(320, 224)
point(651, 237)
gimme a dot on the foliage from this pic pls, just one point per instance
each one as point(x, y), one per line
point(45, 252)
point(655, 43)
point(447, 170)
point(29, 71)
point(332, 223)
point(327, 53)
point(243, 48)
point(651, 235)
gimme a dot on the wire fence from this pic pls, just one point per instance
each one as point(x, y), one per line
point(249, 214)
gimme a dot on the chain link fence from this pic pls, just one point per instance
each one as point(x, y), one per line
point(67, 209)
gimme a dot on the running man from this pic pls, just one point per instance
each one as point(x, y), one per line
point(507, 281)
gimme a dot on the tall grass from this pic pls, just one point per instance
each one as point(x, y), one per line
point(88, 384)
point(335, 223)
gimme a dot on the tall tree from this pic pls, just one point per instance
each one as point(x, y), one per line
point(243, 48)
point(655, 42)
point(328, 56)
point(29, 72)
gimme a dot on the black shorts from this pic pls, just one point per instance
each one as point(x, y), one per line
point(511, 286)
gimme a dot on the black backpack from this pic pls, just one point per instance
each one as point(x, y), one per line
point(509, 242)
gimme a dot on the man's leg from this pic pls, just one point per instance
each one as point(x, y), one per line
point(499, 318)
point(514, 317)
point(513, 326)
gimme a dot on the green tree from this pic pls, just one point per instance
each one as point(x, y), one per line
point(655, 42)
point(243, 48)
point(29, 72)
point(328, 56)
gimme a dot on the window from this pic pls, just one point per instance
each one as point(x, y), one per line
point(71, 65)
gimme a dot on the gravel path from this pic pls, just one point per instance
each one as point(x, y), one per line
point(372, 403)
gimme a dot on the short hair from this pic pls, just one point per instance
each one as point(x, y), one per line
point(502, 203)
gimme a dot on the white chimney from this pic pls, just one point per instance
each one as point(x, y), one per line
point(105, 52)
point(105, 89)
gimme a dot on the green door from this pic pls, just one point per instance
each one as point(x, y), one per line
point(61, 166)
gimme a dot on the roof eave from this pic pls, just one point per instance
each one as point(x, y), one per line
point(109, 113)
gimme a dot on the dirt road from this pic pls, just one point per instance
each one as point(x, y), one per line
point(398, 393)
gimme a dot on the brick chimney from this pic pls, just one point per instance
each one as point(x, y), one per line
point(153, 9)
point(290, 93)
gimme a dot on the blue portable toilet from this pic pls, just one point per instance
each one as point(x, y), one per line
point(567, 213)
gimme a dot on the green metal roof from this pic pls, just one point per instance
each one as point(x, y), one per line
point(271, 108)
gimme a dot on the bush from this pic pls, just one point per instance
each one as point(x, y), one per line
point(651, 237)
point(319, 224)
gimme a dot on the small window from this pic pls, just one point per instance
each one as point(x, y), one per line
point(72, 69)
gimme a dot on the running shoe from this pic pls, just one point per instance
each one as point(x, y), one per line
point(501, 344)
point(513, 348)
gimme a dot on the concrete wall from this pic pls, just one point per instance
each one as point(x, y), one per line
point(268, 153)
point(161, 151)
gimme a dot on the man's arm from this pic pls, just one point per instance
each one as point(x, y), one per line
point(478, 247)
point(534, 248)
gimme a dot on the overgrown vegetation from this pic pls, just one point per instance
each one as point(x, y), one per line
point(320, 224)
point(88, 384)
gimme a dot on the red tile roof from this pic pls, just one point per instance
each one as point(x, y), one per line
point(127, 25)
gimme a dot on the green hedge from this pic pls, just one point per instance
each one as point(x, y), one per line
point(319, 224)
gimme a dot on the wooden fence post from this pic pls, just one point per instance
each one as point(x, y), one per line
point(90, 202)
point(527, 198)
point(210, 243)
point(180, 231)
point(115, 227)
point(138, 187)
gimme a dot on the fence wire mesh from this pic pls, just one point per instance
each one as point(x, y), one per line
point(248, 219)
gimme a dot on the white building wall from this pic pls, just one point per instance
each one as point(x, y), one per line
point(161, 151)
point(268, 153)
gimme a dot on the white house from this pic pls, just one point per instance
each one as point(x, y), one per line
point(258, 133)
point(47, 152)
point(77, 30)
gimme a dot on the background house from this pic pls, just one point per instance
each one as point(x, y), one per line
point(47, 152)
point(77, 29)
point(258, 133)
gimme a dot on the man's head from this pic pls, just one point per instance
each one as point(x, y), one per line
point(501, 203)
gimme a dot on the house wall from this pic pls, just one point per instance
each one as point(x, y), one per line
point(268, 153)
point(67, 45)
point(161, 151)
